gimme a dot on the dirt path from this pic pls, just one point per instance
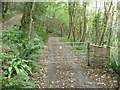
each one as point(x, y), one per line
point(63, 75)
point(10, 22)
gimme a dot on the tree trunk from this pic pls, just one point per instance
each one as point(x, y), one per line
point(70, 19)
point(110, 30)
point(96, 26)
point(3, 4)
point(84, 30)
point(73, 22)
point(106, 18)
point(6, 7)
point(26, 19)
point(30, 28)
point(61, 31)
point(80, 29)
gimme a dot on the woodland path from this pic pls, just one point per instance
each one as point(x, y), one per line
point(64, 75)
point(61, 75)
point(10, 22)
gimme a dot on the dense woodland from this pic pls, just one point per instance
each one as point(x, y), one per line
point(22, 43)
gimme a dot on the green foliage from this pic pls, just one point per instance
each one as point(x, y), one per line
point(29, 50)
point(19, 54)
point(54, 17)
point(16, 70)
point(18, 57)
point(114, 64)
point(65, 39)
point(19, 81)
point(16, 74)
point(37, 27)
point(82, 45)
point(97, 20)
point(8, 15)
point(11, 35)
point(41, 32)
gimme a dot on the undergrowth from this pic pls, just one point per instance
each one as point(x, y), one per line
point(19, 59)
point(114, 65)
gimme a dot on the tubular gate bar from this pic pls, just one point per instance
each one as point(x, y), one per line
point(61, 52)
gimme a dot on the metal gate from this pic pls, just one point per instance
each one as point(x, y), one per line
point(61, 52)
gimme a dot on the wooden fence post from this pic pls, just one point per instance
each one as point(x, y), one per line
point(108, 51)
point(88, 53)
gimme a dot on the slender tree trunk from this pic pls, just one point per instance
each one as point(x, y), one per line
point(26, 19)
point(96, 27)
point(74, 39)
point(30, 28)
point(61, 31)
point(2, 9)
point(110, 30)
point(74, 22)
point(70, 19)
point(84, 30)
point(3, 4)
point(80, 29)
point(106, 18)
point(109, 38)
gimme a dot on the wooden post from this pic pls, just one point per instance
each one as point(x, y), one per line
point(108, 51)
point(88, 53)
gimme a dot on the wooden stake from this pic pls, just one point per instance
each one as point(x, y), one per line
point(88, 53)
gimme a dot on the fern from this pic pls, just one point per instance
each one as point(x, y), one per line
point(19, 58)
point(20, 81)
